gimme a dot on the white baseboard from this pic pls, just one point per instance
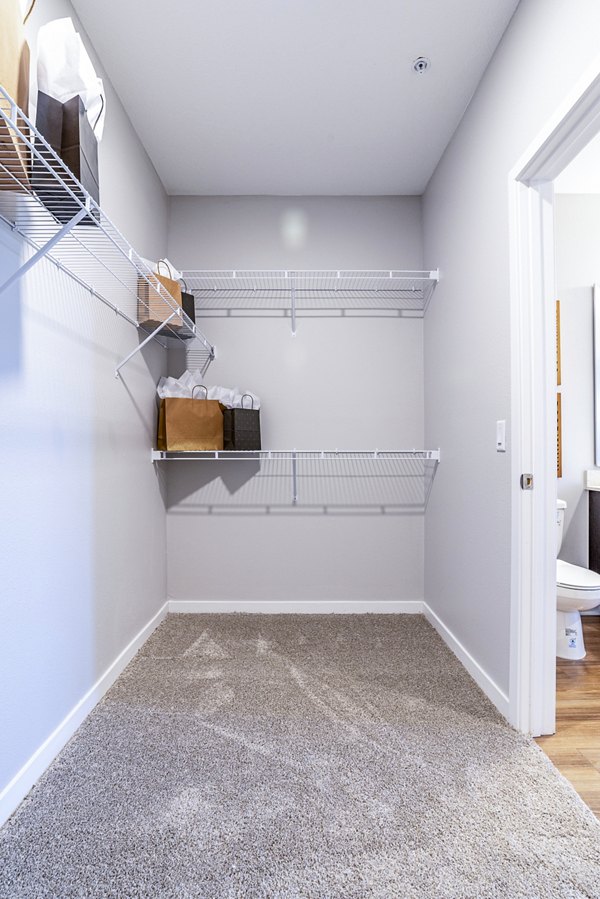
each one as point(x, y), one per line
point(16, 790)
point(304, 607)
point(481, 678)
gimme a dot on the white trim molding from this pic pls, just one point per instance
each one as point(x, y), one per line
point(17, 789)
point(479, 675)
point(298, 607)
point(533, 423)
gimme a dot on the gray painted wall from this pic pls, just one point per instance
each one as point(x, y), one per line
point(343, 383)
point(577, 237)
point(83, 531)
point(467, 330)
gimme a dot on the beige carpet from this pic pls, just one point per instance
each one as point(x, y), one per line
point(299, 756)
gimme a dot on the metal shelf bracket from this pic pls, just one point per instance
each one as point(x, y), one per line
point(43, 251)
point(293, 303)
point(294, 478)
point(140, 346)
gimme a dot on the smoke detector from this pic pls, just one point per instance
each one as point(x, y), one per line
point(421, 65)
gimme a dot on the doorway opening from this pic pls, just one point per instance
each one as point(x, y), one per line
point(534, 405)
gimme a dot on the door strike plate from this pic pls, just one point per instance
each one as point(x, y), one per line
point(526, 482)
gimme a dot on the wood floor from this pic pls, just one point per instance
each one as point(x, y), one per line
point(575, 747)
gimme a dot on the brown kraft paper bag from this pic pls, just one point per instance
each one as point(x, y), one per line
point(14, 78)
point(187, 425)
point(14, 54)
point(152, 308)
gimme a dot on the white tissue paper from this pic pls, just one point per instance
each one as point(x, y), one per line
point(184, 387)
point(64, 70)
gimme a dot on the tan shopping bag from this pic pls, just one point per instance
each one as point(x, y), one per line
point(14, 54)
point(152, 308)
point(15, 160)
point(15, 156)
point(186, 425)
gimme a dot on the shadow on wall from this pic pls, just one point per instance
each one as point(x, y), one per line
point(11, 333)
point(320, 487)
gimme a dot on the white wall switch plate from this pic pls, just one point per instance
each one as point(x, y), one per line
point(501, 436)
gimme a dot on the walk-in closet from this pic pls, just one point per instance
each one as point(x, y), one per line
point(275, 364)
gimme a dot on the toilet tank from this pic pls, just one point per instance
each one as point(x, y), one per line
point(560, 522)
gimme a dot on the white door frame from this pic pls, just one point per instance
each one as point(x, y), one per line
point(532, 688)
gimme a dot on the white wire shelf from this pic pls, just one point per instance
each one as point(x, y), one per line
point(305, 293)
point(268, 455)
point(43, 202)
point(400, 479)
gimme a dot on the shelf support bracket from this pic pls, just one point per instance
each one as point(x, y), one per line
point(211, 358)
point(293, 304)
point(144, 342)
point(43, 251)
point(294, 478)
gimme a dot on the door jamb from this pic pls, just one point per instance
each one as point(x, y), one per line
point(532, 691)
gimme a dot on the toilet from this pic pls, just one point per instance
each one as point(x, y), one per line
point(577, 590)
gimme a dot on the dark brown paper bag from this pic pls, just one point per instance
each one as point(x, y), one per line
point(79, 146)
point(241, 428)
point(190, 425)
point(188, 301)
point(152, 308)
point(65, 127)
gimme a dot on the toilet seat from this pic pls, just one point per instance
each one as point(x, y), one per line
point(577, 588)
point(574, 577)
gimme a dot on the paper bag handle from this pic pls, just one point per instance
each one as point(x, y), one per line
point(202, 387)
point(184, 282)
point(95, 125)
point(251, 400)
point(164, 262)
point(29, 11)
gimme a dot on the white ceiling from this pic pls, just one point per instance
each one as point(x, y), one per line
point(582, 176)
point(294, 97)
